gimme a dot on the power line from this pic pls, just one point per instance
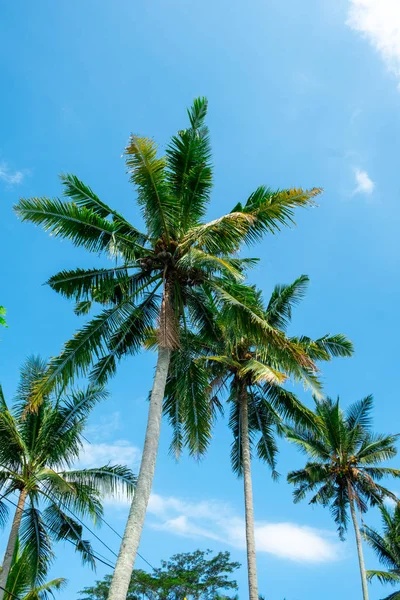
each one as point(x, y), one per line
point(101, 518)
point(9, 593)
point(96, 556)
point(82, 523)
point(120, 536)
point(93, 533)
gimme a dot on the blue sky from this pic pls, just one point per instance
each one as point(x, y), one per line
point(301, 94)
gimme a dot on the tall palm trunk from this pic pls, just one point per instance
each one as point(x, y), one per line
point(248, 495)
point(8, 556)
point(363, 574)
point(127, 553)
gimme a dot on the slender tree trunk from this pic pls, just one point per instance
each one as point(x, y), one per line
point(248, 496)
point(130, 543)
point(8, 556)
point(363, 574)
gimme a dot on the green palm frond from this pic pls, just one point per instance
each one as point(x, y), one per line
point(110, 480)
point(264, 421)
point(261, 372)
point(46, 590)
point(196, 258)
point(384, 577)
point(84, 197)
point(4, 510)
point(81, 226)
point(358, 415)
point(326, 347)
point(274, 209)
point(148, 174)
point(83, 500)
point(309, 443)
point(63, 527)
point(3, 321)
point(35, 542)
point(187, 403)
point(235, 427)
point(221, 236)
point(85, 284)
point(289, 407)
point(283, 299)
point(377, 448)
point(189, 166)
point(91, 341)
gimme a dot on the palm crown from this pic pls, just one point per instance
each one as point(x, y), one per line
point(166, 273)
point(238, 357)
point(37, 455)
point(345, 457)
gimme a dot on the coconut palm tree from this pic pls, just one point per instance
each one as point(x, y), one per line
point(253, 370)
point(386, 547)
point(161, 276)
point(37, 455)
point(20, 582)
point(343, 471)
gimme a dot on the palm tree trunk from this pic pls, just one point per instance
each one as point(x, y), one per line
point(248, 495)
point(363, 574)
point(8, 556)
point(130, 543)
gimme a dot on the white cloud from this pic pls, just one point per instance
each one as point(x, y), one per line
point(119, 452)
point(216, 521)
point(379, 22)
point(103, 429)
point(364, 184)
point(8, 176)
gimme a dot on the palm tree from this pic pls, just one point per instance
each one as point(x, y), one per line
point(254, 371)
point(386, 547)
point(37, 453)
point(162, 276)
point(19, 582)
point(343, 472)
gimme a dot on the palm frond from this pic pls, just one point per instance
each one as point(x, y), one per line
point(81, 226)
point(261, 372)
point(148, 174)
point(219, 237)
point(82, 195)
point(35, 542)
point(189, 166)
point(110, 480)
point(283, 298)
point(274, 209)
point(46, 590)
point(63, 527)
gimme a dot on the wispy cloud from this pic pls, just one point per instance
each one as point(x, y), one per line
point(105, 427)
point(119, 452)
point(364, 183)
point(9, 176)
point(216, 521)
point(379, 22)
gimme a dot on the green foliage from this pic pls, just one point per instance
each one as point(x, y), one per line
point(19, 581)
point(37, 453)
point(387, 548)
point(231, 354)
point(158, 278)
point(2, 316)
point(344, 460)
point(190, 575)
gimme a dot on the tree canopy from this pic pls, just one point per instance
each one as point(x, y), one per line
point(193, 575)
